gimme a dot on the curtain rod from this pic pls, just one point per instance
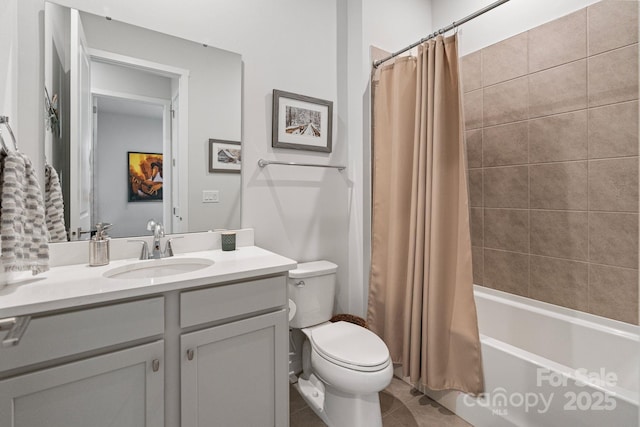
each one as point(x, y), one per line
point(449, 27)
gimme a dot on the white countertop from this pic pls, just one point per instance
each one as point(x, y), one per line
point(71, 286)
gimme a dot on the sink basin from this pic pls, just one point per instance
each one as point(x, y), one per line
point(153, 268)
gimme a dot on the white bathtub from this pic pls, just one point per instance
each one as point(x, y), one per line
point(546, 365)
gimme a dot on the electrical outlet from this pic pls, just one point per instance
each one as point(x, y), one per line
point(210, 196)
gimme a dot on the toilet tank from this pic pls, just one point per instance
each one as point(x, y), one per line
point(312, 287)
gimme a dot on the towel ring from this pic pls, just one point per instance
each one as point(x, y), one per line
point(4, 120)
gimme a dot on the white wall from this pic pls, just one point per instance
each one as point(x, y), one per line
point(118, 134)
point(289, 45)
point(505, 21)
point(393, 25)
point(120, 79)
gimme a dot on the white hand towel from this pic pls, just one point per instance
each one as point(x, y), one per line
point(54, 206)
point(23, 231)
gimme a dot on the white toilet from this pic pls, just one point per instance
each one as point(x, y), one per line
point(344, 365)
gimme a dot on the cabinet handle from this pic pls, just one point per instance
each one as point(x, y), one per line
point(17, 327)
point(190, 354)
point(300, 284)
point(155, 365)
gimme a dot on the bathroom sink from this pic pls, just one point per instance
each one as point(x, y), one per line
point(153, 268)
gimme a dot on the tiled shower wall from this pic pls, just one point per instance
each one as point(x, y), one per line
point(551, 120)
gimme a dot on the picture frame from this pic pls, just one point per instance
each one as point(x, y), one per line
point(145, 176)
point(301, 122)
point(225, 156)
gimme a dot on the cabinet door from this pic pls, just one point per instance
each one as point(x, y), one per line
point(117, 389)
point(236, 374)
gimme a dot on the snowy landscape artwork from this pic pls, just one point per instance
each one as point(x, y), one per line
point(301, 122)
point(225, 156)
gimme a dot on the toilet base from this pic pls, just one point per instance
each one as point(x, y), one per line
point(352, 410)
point(312, 391)
point(338, 409)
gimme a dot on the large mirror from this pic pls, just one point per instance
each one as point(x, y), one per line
point(140, 125)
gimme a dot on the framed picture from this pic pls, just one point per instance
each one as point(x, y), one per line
point(145, 176)
point(224, 156)
point(301, 122)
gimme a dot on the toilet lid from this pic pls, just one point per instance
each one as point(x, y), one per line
point(348, 344)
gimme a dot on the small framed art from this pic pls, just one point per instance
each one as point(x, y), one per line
point(301, 122)
point(145, 176)
point(224, 156)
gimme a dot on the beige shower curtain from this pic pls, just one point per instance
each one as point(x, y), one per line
point(421, 295)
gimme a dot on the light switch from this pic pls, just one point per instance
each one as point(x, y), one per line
point(210, 196)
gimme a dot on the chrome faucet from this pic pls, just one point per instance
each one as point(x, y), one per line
point(158, 233)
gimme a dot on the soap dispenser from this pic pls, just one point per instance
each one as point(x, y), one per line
point(99, 246)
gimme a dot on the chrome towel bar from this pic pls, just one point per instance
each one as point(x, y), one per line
point(262, 163)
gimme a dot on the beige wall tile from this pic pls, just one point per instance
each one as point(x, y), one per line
point(613, 293)
point(474, 148)
point(472, 102)
point(505, 102)
point(558, 186)
point(478, 264)
point(558, 137)
point(505, 144)
point(471, 71)
point(558, 90)
point(560, 282)
point(558, 42)
point(476, 220)
point(613, 76)
point(543, 148)
point(560, 234)
point(613, 130)
point(507, 229)
point(506, 187)
point(613, 185)
point(612, 24)
point(613, 239)
point(505, 60)
point(475, 187)
point(506, 271)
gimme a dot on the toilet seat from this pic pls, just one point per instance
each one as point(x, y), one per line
point(350, 346)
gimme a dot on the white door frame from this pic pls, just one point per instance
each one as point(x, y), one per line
point(176, 218)
point(166, 147)
point(182, 75)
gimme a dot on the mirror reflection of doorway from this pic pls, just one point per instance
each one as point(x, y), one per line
point(121, 126)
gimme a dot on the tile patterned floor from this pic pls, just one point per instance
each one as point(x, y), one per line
point(402, 406)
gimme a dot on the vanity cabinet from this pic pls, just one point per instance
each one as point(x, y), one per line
point(122, 388)
point(211, 355)
point(101, 366)
point(235, 373)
